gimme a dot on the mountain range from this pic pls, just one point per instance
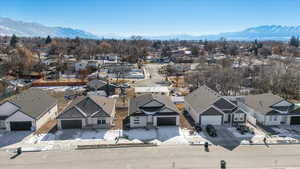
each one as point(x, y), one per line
point(9, 27)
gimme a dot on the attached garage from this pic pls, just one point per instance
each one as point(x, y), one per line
point(211, 119)
point(295, 120)
point(71, 124)
point(166, 121)
point(20, 125)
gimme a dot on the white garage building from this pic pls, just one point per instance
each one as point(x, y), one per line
point(27, 111)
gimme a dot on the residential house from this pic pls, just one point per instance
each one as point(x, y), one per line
point(269, 109)
point(88, 112)
point(99, 85)
point(152, 111)
point(206, 106)
point(27, 111)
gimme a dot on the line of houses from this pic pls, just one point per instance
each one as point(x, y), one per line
point(31, 109)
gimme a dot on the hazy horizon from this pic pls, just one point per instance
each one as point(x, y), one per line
point(156, 17)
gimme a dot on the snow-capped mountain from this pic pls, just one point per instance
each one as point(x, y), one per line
point(266, 32)
point(9, 27)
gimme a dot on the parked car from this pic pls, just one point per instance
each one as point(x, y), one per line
point(211, 131)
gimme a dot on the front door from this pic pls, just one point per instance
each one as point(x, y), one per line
point(149, 119)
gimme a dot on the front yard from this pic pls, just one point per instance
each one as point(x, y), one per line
point(63, 140)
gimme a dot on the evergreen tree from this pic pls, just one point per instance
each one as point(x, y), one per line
point(48, 40)
point(294, 41)
point(13, 41)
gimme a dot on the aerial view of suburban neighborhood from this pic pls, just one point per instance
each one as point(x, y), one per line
point(173, 84)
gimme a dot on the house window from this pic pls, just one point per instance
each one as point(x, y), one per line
point(101, 122)
point(270, 118)
point(136, 120)
point(275, 118)
point(241, 117)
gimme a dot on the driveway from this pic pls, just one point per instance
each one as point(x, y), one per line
point(225, 138)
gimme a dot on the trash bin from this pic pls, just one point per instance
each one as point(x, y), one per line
point(222, 164)
point(19, 150)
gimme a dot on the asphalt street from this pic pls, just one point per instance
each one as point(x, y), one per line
point(163, 157)
point(153, 78)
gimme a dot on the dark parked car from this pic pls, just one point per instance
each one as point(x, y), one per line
point(211, 130)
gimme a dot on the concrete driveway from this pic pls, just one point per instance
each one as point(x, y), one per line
point(225, 138)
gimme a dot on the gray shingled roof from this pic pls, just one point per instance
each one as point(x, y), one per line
point(96, 84)
point(88, 106)
point(212, 112)
point(201, 98)
point(262, 102)
point(224, 104)
point(166, 106)
point(34, 102)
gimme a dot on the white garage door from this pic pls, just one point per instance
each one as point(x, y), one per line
point(213, 120)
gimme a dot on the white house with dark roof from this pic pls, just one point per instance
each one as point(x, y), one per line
point(269, 109)
point(88, 112)
point(27, 111)
point(152, 111)
point(206, 106)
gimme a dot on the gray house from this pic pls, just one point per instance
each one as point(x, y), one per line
point(28, 110)
point(151, 111)
point(88, 112)
point(206, 106)
point(269, 109)
point(99, 85)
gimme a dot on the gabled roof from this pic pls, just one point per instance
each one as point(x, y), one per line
point(262, 102)
point(96, 84)
point(90, 106)
point(33, 102)
point(202, 98)
point(72, 112)
point(212, 111)
point(160, 103)
point(224, 104)
point(238, 111)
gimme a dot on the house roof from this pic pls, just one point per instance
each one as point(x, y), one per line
point(161, 103)
point(96, 84)
point(212, 111)
point(262, 102)
point(224, 104)
point(34, 102)
point(89, 106)
point(295, 112)
point(201, 98)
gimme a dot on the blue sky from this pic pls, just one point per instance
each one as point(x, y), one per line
point(154, 17)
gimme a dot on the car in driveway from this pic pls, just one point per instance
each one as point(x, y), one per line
point(211, 131)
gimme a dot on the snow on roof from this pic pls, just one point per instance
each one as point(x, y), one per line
point(151, 89)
